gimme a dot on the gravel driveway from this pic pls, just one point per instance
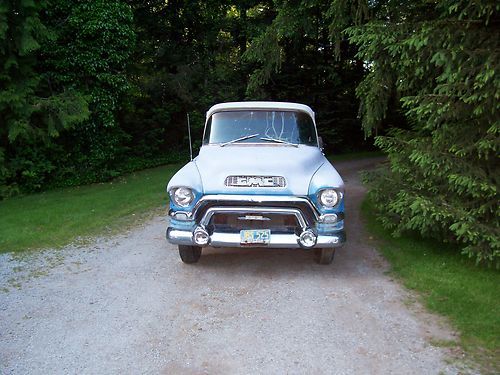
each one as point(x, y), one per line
point(128, 305)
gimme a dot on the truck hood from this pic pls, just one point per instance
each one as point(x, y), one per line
point(296, 164)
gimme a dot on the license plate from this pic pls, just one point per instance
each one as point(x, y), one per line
point(255, 236)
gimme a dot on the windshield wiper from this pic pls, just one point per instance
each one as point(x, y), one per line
point(279, 141)
point(239, 139)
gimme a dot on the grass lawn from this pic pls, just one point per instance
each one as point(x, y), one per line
point(58, 217)
point(449, 284)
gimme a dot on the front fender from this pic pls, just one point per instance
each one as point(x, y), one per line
point(326, 177)
point(187, 176)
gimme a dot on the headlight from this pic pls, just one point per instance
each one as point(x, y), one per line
point(182, 196)
point(329, 197)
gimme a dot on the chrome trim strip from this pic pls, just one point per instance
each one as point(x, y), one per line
point(254, 198)
point(253, 217)
point(260, 210)
point(173, 213)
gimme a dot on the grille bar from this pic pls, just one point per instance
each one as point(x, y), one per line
point(256, 201)
point(300, 220)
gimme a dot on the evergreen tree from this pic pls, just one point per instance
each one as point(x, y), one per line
point(442, 61)
point(31, 111)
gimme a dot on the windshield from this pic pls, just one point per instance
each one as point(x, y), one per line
point(260, 126)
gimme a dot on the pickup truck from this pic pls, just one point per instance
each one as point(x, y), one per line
point(260, 180)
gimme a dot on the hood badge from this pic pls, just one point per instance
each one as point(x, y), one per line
point(255, 181)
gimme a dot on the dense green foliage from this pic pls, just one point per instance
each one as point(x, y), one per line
point(95, 41)
point(294, 59)
point(441, 60)
point(31, 110)
point(430, 90)
point(94, 89)
point(64, 63)
point(90, 90)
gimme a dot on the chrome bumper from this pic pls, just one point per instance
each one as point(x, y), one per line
point(184, 237)
point(185, 225)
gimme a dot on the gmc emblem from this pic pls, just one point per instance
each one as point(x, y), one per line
point(255, 181)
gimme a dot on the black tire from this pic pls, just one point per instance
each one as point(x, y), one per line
point(189, 254)
point(324, 256)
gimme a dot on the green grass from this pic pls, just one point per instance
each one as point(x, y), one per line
point(58, 217)
point(449, 284)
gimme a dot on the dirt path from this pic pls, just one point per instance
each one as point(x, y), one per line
point(128, 305)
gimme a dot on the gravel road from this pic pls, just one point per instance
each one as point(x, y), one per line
point(128, 305)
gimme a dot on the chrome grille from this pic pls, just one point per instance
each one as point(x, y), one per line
point(255, 202)
point(255, 181)
point(281, 222)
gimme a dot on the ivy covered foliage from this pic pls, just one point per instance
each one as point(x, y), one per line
point(441, 61)
point(91, 54)
point(63, 66)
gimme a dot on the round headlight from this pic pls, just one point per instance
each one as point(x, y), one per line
point(329, 197)
point(182, 196)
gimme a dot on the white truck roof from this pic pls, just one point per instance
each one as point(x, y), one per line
point(283, 106)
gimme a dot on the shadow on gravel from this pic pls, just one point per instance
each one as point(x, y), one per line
point(271, 263)
point(247, 257)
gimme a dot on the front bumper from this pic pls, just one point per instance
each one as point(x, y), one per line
point(185, 237)
point(294, 217)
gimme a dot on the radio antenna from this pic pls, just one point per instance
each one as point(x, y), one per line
point(189, 135)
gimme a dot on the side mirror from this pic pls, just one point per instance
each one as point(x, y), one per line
point(320, 143)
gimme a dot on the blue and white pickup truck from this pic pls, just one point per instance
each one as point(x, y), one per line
point(260, 180)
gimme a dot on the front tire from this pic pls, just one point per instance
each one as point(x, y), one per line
point(189, 254)
point(324, 256)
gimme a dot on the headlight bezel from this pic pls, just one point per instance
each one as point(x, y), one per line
point(176, 197)
point(322, 200)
